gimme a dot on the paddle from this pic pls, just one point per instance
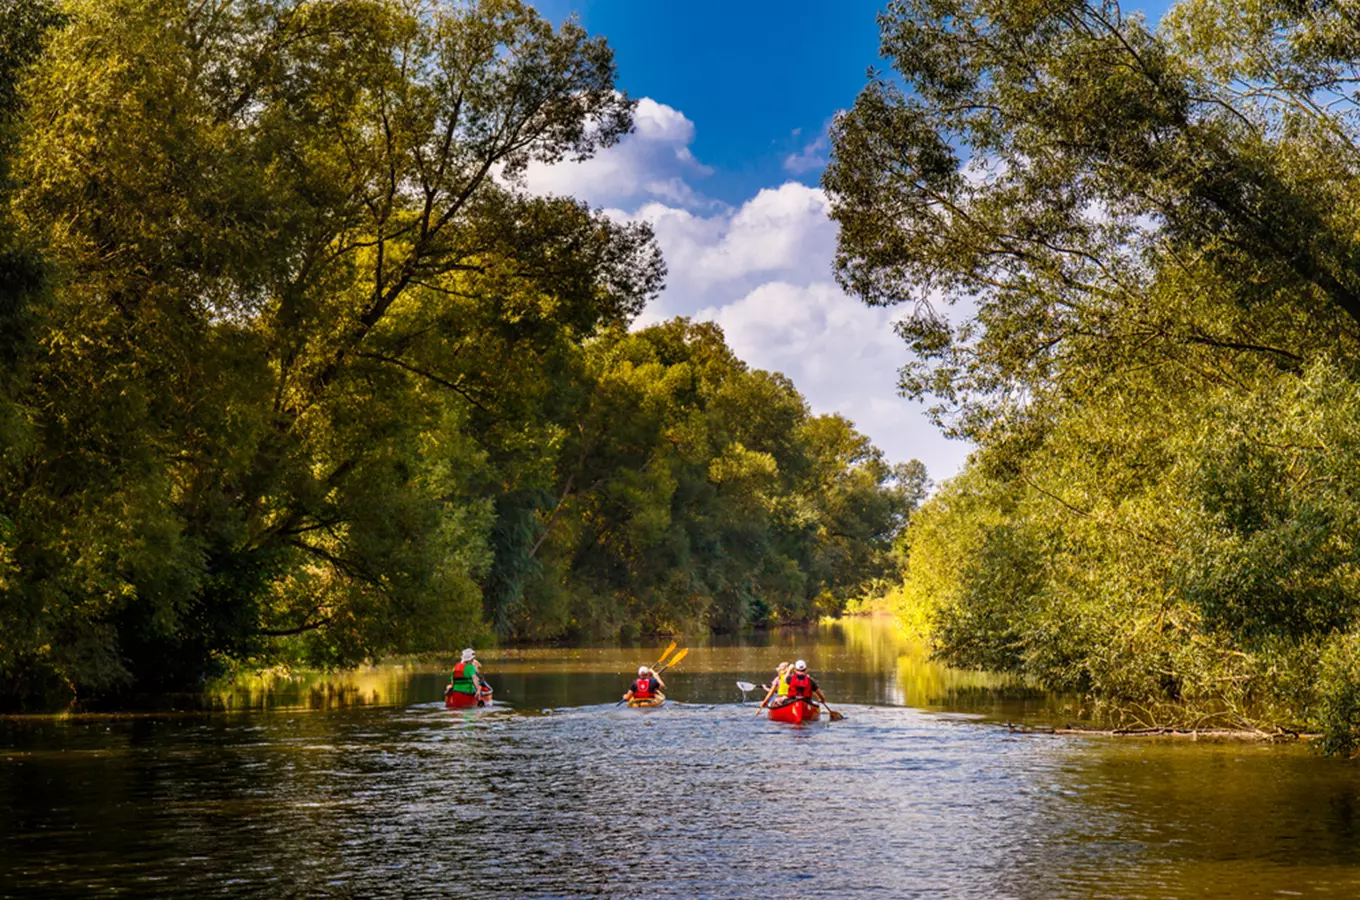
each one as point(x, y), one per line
point(745, 687)
point(675, 662)
point(835, 716)
point(768, 695)
point(666, 654)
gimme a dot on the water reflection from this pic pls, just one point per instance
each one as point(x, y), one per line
point(396, 796)
point(856, 660)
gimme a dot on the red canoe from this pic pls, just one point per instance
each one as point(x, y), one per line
point(796, 713)
point(460, 700)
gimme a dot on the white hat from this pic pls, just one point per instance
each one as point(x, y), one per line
point(643, 670)
point(468, 654)
point(800, 666)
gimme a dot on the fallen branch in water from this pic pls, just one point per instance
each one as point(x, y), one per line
point(1228, 734)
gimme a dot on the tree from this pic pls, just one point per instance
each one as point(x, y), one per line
point(1149, 238)
point(286, 233)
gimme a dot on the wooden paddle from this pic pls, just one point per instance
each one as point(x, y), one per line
point(835, 716)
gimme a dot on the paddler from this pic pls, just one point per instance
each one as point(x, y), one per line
point(781, 681)
point(467, 676)
point(801, 686)
point(647, 685)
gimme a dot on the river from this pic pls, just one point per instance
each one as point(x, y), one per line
point(365, 786)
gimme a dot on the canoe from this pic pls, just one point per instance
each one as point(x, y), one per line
point(460, 700)
point(648, 703)
point(796, 713)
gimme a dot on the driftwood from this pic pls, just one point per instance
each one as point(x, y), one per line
point(1218, 734)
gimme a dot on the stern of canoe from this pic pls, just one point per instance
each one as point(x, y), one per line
point(458, 700)
point(796, 713)
point(647, 703)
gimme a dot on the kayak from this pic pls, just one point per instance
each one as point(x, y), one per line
point(461, 700)
point(796, 713)
point(648, 703)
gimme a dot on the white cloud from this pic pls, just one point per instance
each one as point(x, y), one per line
point(843, 356)
point(783, 232)
point(762, 271)
point(813, 156)
point(654, 161)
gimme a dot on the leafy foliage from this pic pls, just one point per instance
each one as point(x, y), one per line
point(295, 369)
point(1150, 238)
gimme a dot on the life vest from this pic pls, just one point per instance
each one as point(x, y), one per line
point(642, 689)
point(463, 677)
point(800, 685)
point(782, 685)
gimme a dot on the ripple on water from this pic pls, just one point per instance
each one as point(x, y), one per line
point(686, 801)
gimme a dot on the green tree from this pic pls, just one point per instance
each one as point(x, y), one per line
point(293, 275)
point(1149, 240)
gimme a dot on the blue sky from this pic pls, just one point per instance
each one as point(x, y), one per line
point(735, 99)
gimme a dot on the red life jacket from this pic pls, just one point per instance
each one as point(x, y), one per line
point(642, 688)
point(458, 670)
point(800, 685)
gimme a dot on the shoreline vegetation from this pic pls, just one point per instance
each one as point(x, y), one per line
point(1128, 254)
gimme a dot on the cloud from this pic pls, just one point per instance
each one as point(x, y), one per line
point(843, 356)
point(781, 232)
point(813, 156)
point(762, 271)
point(655, 161)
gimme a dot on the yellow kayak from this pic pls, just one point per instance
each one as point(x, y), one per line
point(648, 703)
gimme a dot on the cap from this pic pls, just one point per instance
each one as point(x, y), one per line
point(800, 666)
point(468, 654)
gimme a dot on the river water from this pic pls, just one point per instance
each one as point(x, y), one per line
point(365, 786)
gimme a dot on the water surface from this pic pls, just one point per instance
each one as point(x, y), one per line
point(366, 786)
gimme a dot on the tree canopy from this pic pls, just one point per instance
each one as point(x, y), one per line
point(1132, 256)
point(295, 368)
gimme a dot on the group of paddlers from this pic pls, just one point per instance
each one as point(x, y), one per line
point(791, 683)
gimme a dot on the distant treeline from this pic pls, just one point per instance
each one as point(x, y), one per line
point(1152, 238)
point(291, 368)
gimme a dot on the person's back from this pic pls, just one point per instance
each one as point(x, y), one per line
point(465, 678)
point(647, 686)
point(801, 684)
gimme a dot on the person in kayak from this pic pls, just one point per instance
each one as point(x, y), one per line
point(781, 681)
point(647, 685)
point(801, 686)
point(467, 676)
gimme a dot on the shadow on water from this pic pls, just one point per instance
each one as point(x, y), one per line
point(299, 792)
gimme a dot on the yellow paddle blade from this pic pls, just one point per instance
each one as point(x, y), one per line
point(666, 654)
point(679, 656)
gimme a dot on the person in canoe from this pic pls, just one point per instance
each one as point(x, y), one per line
point(647, 686)
point(467, 677)
point(801, 686)
point(780, 684)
